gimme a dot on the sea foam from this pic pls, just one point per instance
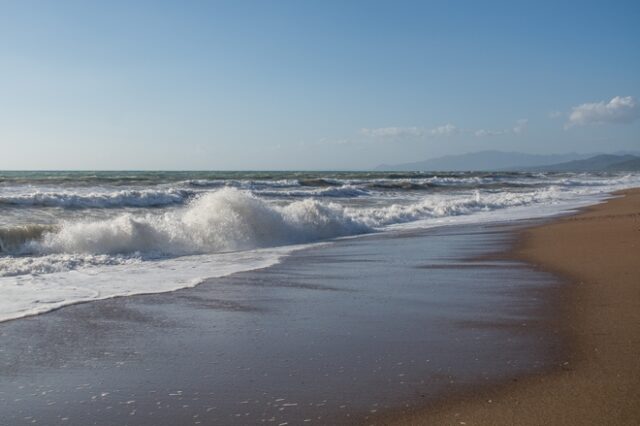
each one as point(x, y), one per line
point(225, 220)
point(32, 294)
point(214, 232)
point(122, 198)
point(230, 220)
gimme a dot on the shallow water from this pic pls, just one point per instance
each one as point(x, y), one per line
point(331, 335)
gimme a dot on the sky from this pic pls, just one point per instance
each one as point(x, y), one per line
point(308, 85)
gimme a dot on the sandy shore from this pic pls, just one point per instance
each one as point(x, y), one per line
point(598, 251)
point(294, 342)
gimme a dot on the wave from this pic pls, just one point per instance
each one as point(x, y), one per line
point(216, 227)
point(205, 183)
point(346, 191)
point(322, 182)
point(231, 220)
point(182, 192)
point(125, 198)
point(225, 220)
point(60, 262)
point(400, 185)
point(35, 294)
point(12, 239)
point(439, 206)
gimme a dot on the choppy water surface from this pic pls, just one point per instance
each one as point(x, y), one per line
point(75, 236)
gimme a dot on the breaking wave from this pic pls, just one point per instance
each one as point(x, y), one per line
point(231, 220)
point(218, 223)
point(226, 220)
point(12, 239)
point(443, 206)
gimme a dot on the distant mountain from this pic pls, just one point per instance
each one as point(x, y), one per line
point(485, 161)
point(632, 165)
point(599, 163)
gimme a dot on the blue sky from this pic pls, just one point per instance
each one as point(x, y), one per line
point(311, 85)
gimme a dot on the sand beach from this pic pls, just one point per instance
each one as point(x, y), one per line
point(597, 252)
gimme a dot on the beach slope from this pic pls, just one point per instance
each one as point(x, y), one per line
point(598, 252)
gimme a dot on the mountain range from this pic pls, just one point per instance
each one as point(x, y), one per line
point(598, 163)
point(517, 161)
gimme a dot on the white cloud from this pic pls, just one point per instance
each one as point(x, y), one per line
point(518, 128)
point(617, 110)
point(485, 132)
point(393, 132)
point(444, 130)
point(406, 132)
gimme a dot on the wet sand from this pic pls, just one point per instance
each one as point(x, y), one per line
point(333, 335)
point(598, 382)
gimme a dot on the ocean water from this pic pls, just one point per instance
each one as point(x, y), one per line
point(329, 336)
point(68, 237)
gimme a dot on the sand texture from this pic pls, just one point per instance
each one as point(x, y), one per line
point(598, 252)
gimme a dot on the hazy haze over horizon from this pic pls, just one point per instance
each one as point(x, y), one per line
point(296, 85)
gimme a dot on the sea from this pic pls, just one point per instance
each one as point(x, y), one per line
point(70, 237)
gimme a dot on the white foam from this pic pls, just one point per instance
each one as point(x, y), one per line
point(33, 294)
point(233, 220)
point(128, 254)
point(104, 199)
point(225, 220)
point(345, 191)
point(440, 205)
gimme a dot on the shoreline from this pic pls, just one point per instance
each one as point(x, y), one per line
point(503, 323)
point(597, 312)
point(288, 343)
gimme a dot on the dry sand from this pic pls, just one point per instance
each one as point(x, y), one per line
point(598, 252)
